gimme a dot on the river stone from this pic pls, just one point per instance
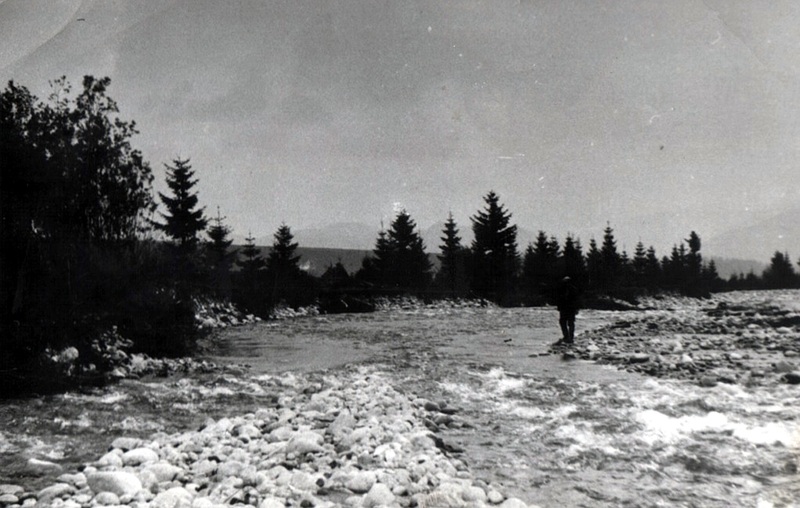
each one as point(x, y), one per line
point(77, 480)
point(58, 490)
point(431, 406)
point(202, 502)
point(163, 471)
point(38, 467)
point(229, 468)
point(494, 496)
point(305, 442)
point(120, 483)
point(361, 482)
point(440, 499)
point(139, 456)
point(204, 467)
point(247, 430)
point(378, 495)
point(126, 443)
point(106, 499)
point(303, 481)
point(111, 459)
point(793, 378)
point(282, 433)
point(473, 493)
point(7, 488)
point(784, 367)
point(639, 358)
point(513, 502)
point(176, 497)
point(271, 502)
point(7, 499)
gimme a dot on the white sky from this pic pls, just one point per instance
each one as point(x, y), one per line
point(658, 117)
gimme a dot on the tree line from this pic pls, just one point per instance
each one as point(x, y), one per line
point(492, 267)
point(87, 258)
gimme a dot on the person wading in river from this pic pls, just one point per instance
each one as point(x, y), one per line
point(567, 299)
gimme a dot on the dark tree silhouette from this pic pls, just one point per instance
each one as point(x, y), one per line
point(780, 273)
point(540, 263)
point(398, 260)
point(220, 255)
point(283, 267)
point(411, 268)
point(452, 273)
point(573, 261)
point(494, 250)
point(639, 265)
point(652, 270)
point(594, 265)
point(611, 261)
point(183, 221)
point(250, 288)
point(694, 260)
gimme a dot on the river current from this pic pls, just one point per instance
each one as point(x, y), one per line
point(553, 431)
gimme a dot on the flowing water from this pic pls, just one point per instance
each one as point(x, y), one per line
point(555, 431)
point(552, 431)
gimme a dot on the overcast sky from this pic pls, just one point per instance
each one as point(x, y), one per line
point(658, 117)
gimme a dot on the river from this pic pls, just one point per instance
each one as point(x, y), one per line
point(553, 431)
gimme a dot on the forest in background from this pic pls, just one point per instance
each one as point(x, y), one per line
point(91, 262)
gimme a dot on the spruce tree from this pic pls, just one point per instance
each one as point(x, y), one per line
point(594, 265)
point(541, 262)
point(572, 256)
point(494, 250)
point(282, 259)
point(250, 280)
point(610, 260)
point(411, 267)
point(452, 256)
point(378, 268)
point(694, 260)
point(652, 274)
point(183, 220)
point(220, 255)
point(780, 273)
point(219, 242)
point(639, 265)
point(283, 266)
point(711, 277)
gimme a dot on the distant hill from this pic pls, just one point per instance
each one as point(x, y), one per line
point(341, 235)
point(738, 251)
point(315, 260)
point(759, 241)
point(727, 267)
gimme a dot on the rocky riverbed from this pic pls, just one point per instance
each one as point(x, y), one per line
point(448, 405)
point(348, 439)
point(749, 338)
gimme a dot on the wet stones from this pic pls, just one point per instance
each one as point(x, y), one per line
point(733, 341)
point(352, 441)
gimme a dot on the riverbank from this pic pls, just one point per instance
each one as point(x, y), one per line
point(747, 338)
point(343, 439)
point(500, 415)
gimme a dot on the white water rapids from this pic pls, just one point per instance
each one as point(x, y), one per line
point(553, 432)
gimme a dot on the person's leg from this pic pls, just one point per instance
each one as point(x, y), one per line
point(563, 321)
point(571, 327)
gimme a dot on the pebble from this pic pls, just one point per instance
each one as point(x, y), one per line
point(351, 434)
point(120, 483)
point(39, 467)
point(703, 341)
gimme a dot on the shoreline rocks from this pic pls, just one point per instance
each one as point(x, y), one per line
point(347, 439)
point(743, 338)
